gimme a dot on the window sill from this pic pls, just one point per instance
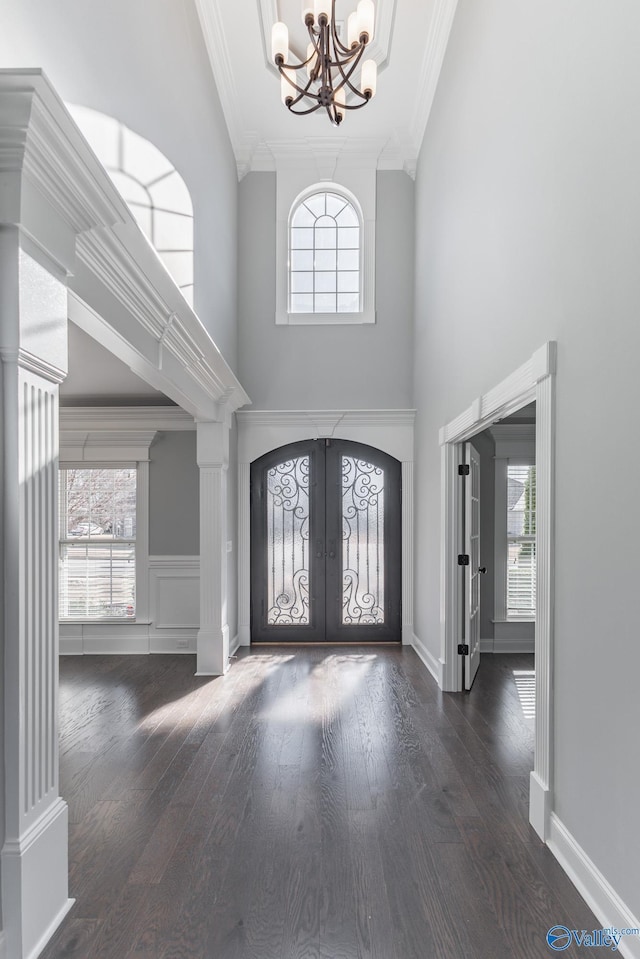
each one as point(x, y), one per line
point(325, 319)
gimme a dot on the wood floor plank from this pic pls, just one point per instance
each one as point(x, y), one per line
point(313, 803)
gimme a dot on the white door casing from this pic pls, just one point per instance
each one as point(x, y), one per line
point(472, 570)
point(534, 380)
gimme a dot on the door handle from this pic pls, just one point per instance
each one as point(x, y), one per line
point(482, 569)
point(332, 549)
point(319, 549)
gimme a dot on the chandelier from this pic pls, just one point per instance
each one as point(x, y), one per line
point(324, 79)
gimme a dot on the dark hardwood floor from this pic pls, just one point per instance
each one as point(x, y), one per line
point(315, 803)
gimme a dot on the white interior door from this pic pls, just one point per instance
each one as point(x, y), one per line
point(472, 570)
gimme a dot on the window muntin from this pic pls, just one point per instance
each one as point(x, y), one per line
point(325, 234)
point(521, 541)
point(97, 543)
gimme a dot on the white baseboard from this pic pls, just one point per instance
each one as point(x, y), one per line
point(593, 887)
point(38, 948)
point(234, 645)
point(35, 882)
point(114, 640)
point(433, 665)
point(3, 948)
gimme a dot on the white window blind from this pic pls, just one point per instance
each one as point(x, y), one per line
point(97, 543)
point(521, 541)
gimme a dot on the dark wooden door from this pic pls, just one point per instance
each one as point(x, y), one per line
point(325, 544)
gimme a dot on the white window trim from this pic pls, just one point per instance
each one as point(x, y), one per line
point(359, 187)
point(113, 449)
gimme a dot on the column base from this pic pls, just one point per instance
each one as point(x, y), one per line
point(213, 651)
point(35, 883)
point(244, 635)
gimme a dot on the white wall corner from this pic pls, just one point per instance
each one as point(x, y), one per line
point(596, 890)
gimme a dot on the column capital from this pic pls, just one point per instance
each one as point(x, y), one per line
point(212, 444)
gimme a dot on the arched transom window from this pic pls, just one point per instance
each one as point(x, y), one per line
point(154, 190)
point(325, 231)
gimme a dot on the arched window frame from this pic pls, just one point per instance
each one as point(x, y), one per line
point(301, 203)
point(358, 186)
point(166, 222)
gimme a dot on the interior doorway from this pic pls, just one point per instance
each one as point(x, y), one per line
point(326, 546)
point(533, 381)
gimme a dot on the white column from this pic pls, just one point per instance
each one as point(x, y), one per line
point(33, 347)
point(213, 635)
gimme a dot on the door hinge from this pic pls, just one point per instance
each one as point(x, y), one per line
point(463, 559)
point(463, 649)
point(463, 469)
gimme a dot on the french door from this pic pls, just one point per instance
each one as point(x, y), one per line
point(325, 544)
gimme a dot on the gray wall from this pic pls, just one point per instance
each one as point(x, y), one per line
point(174, 513)
point(326, 367)
point(146, 65)
point(528, 229)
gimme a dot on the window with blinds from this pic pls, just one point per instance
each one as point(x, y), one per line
point(97, 543)
point(521, 541)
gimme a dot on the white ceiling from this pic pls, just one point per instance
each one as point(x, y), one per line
point(409, 45)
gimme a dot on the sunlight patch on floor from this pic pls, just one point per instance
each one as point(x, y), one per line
point(525, 680)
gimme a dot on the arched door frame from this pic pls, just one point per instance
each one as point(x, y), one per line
point(260, 431)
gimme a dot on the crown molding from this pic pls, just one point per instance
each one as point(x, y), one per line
point(435, 49)
point(243, 143)
point(325, 421)
point(127, 420)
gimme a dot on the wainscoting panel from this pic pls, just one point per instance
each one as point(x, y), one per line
point(172, 627)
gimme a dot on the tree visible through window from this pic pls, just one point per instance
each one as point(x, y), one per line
point(97, 543)
point(324, 255)
point(521, 541)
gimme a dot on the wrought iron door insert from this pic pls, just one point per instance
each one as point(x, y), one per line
point(325, 544)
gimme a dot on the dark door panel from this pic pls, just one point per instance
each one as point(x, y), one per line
point(325, 544)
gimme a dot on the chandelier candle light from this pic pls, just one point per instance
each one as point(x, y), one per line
point(330, 64)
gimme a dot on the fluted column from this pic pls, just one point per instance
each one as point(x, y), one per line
point(33, 329)
point(213, 635)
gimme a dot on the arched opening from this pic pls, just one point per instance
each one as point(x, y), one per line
point(156, 194)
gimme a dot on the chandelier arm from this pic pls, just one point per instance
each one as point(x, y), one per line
point(337, 42)
point(346, 77)
point(303, 113)
point(302, 91)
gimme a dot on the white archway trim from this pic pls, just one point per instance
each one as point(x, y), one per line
point(260, 431)
point(534, 380)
